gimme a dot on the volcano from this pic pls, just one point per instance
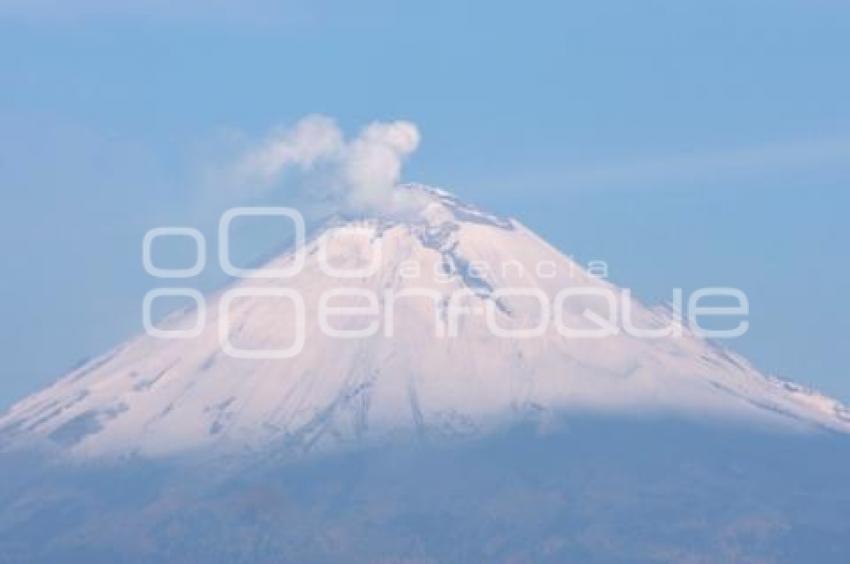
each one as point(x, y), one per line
point(408, 376)
point(437, 326)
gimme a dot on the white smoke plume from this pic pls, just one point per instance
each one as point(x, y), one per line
point(358, 174)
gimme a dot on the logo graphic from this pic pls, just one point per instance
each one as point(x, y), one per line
point(612, 315)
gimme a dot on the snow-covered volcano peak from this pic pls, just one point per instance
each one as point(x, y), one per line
point(441, 205)
point(444, 326)
point(423, 206)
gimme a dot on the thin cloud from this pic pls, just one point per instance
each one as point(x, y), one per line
point(737, 163)
point(252, 12)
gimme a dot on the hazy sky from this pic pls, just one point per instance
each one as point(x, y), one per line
point(685, 143)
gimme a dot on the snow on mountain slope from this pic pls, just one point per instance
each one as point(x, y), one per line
point(153, 396)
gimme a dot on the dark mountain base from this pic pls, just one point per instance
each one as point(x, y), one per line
point(599, 491)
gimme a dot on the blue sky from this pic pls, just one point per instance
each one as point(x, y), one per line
point(685, 143)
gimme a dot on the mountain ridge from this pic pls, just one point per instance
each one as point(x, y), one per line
point(156, 397)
